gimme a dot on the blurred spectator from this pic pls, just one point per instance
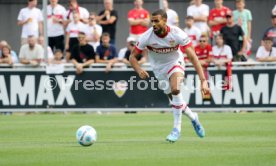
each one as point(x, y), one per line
point(75, 8)
point(31, 20)
point(31, 53)
point(138, 19)
point(274, 10)
point(266, 53)
point(83, 54)
point(13, 53)
point(105, 51)
point(58, 55)
point(222, 53)
point(124, 54)
point(200, 13)
point(93, 31)
point(50, 54)
point(193, 32)
point(217, 18)
point(56, 15)
point(107, 18)
point(56, 64)
point(231, 35)
point(6, 57)
point(173, 18)
point(204, 51)
point(243, 18)
point(271, 31)
point(192, 2)
point(72, 32)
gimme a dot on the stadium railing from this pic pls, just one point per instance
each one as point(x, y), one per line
point(145, 65)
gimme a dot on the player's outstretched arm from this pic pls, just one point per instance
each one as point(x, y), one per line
point(134, 63)
point(192, 56)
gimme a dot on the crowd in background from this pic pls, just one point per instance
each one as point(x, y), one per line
point(82, 37)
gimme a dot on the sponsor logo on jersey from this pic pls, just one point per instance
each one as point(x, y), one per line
point(163, 50)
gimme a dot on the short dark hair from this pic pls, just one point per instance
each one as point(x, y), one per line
point(189, 17)
point(160, 12)
point(105, 34)
point(237, 1)
point(220, 35)
point(31, 36)
point(57, 50)
point(268, 39)
point(81, 33)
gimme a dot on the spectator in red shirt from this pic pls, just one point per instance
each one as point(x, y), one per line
point(138, 19)
point(217, 18)
point(204, 54)
point(204, 51)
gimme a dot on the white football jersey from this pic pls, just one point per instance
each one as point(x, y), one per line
point(74, 29)
point(263, 53)
point(172, 17)
point(224, 52)
point(32, 27)
point(164, 51)
point(196, 11)
point(83, 13)
point(194, 33)
point(55, 29)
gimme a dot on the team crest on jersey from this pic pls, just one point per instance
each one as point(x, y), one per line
point(222, 13)
point(172, 43)
point(205, 51)
point(120, 88)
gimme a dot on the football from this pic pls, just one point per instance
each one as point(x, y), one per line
point(86, 135)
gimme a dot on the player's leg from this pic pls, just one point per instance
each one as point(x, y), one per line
point(177, 99)
point(179, 105)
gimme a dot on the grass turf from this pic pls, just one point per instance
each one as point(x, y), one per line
point(139, 139)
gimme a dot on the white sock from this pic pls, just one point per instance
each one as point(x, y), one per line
point(177, 107)
point(188, 112)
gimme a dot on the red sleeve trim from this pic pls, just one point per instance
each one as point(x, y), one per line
point(182, 48)
point(138, 50)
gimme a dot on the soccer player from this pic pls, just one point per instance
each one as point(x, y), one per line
point(163, 42)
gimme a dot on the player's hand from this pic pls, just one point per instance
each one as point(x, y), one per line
point(143, 74)
point(204, 87)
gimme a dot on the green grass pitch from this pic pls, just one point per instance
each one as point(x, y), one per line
point(232, 139)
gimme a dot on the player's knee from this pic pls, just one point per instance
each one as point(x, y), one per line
point(175, 91)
